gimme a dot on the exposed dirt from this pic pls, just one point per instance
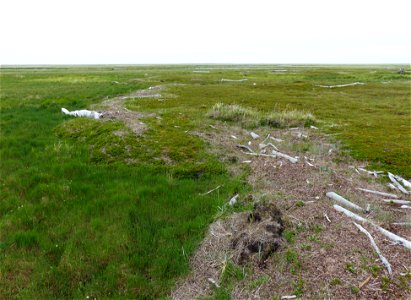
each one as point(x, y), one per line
point(114, 109)
point(332, 258)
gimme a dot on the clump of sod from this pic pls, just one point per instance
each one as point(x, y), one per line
point(247, 117)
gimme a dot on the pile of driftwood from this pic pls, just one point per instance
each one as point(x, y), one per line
point(346, 211)
point(263, 149)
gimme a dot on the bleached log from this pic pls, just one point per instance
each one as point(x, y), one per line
point(349, 213)
point(404, 182)
point(262, 146)
point(234, 137)
point(406, 206)
point(341, 85)
point(288, 297)
point(260, 154)
point(290, 158)
point(245, 148)
point(395, 201)
point(233, 200)
point(276, 139)
point(394, 237)
point(374, 245)
point(402, 223)
point(82, 113)
point(378, 193)
point(343, 201)
point(233, 80)
point(388, 234)
point(397, 184)
point(391, 186)
point(254, 135)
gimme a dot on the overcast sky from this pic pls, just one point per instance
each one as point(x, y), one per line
point(205, 31)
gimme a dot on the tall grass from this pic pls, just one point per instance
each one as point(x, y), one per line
point(250, 118)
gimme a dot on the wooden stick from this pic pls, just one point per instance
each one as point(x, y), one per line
point(405, 183)
point(211, 191)
point(397, 184)
point(341, 85)
point(378, 193)
point(402, 224)
point(390, 235)
point(374, 245)
point(397, 201)
point(245, 148)
point(343, 201)
point(290, 158)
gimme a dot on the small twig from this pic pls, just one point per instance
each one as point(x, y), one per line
point(364, 282)
point(210, 191)
point(328, 219)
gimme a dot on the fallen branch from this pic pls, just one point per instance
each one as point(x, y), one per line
point(290, 158)
point(245, 148)
point(390, 235)
point(402, 224)
point(210, 191)
point(254, 135)
point(340, 85)
point(288, 297)
point(397, 184)
point(343, 201)
point(328, 219)
point(374, 245)
point(233, 80)
point(405, 183)
point(378, 193)
point(395, 201)
point(406, 206)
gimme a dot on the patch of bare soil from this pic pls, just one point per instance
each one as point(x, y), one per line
point(114, 109)
point(322, 253)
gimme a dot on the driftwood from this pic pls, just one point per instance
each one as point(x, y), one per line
point(233, 80)
point(210, 191)
point(244, 147)
point(233, 200)
point(82, 113)
point(374, 245)
point(404, 182)
point(391, 186)
point(406, 206)
point(254, 135)
point(290, 158)
point(276, 139)
point(390, 235)
point(343, 201)
point(395, 201)
point(341, 85)
point(378, 193)
point(402, 223)
point(262, 146)
point(397, 184)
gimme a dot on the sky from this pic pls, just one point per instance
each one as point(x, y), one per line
point(204, 31)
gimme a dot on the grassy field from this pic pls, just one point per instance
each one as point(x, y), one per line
point(85, 212)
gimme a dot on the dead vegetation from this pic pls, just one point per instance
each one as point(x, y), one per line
point(322, 253)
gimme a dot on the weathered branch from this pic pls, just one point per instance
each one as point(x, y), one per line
point(378, 193)
point(395, 201)
point(290, 158)
point(397, 184)
point(343, 201)
point(374, 245)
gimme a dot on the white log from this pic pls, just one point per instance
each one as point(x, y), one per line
point(82, 113)
point(233, 200)
point(406, 206)
point(402, 223)
point(404, 182)
point(234, 137)
point(233, 80)
point(395, 201)
point(394, 237)
point(349, 213)
point(343, 201)
point(374, 245)
point(290, 158)
point(390, 235)
point(288, 297)
point(245, 148)
point(397, 184)
point(391, 186)
point(378, 193)
point(262, 146)
point(254, 135)
point(276, 139)
point(341, 85)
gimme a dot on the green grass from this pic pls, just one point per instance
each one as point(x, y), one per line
point(87, 212)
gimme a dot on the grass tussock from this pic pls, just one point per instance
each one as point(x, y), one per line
point(250, 118)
